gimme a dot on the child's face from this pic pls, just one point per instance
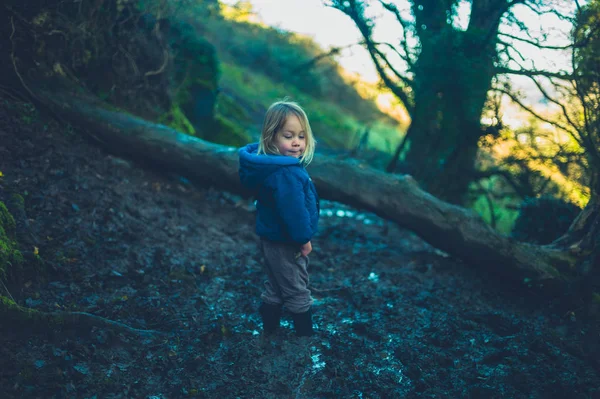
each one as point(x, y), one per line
point(291, 139)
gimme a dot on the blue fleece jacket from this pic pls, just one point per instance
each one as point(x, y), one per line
point(287, 201)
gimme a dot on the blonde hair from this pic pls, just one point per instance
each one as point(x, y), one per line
point(274, 121)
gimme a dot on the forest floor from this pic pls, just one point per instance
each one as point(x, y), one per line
point(394, 317)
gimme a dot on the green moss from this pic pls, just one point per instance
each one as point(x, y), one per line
point(332, 125)
point(18, 201)
point(8, 303)
point(227, 132)
point(6, 220)
point(176, 119)
point(196, 59)
point(230, 108)
point(596, 297)
point(10, 310)
point(9, 254)
point(195, 76)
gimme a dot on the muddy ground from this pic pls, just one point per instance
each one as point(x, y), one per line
point(394, 317)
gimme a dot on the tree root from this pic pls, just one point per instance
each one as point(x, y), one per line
point(13, 314)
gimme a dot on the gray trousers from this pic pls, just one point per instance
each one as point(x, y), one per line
point(287, 272)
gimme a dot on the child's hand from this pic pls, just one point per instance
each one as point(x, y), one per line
point(306, 249)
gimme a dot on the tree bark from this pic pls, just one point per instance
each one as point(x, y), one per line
point(453, 229)
point(449, 78)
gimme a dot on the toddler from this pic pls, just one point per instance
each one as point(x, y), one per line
point(287, 212)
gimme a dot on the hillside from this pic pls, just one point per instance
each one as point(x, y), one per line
point(260, 64)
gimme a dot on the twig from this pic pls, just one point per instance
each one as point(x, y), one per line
point(12, 56)
point(17, 313)
point(6, 90)
point(128, 55)
point(163, 66)
point(312, 288)
point(6, 289)
point(99, 321)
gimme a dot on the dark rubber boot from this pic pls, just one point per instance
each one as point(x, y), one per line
point(303, 323)
point(271, 316)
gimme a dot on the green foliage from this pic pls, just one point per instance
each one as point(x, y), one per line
point(332, 125)
point(176, 119)
point(194, 81)
point(531, 161)
point(543, 220)
point(9, 254)
point(112, 48)
point(11, 311)
point(6, 220)
point(501, 213)
point(18, 200)
point(8, 303)
point(586, 58)
point(230, 107)
point(227, 132)
point(195, 59)
point(285, 58)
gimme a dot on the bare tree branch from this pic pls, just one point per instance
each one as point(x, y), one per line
point(560, 105)
point(355, 12)
point(536, 43)
point(526, 72)
point(394, 9)
point(408, 82)
point(393, 86)
point(396, 51)
point(313, 61)
point(507, 48)
point(537, 115)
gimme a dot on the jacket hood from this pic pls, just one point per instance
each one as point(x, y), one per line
point(254, 168)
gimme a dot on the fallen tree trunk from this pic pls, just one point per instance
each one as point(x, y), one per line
point(450, 228)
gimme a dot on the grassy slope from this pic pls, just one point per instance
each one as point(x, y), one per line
point(251, 53)
point(333, 126)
